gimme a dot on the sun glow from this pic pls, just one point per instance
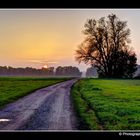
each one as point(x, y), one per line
point(45, 67)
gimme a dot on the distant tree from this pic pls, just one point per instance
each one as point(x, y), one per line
point(51, 71)
point(67, 71)
point(3, 70)
point(137, 72)
point(58, 71)
point(91, 72)
point(106, 48)
point(137, 77)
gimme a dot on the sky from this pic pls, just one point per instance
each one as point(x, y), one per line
point(38, 37)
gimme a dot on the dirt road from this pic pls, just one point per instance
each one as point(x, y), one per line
point(49, 108)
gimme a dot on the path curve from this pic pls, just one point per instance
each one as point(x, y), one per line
point(49, 108)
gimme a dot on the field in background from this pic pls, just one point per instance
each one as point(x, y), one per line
point(107, 104)
point(12, 88)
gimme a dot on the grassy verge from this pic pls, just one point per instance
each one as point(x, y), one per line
point(85, 114)
point(12, 88)
point(108, 104)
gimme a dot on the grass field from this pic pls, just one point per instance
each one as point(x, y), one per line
point(107, 104)
point(13, 88)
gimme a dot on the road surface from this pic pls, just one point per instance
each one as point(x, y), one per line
point(49, 108)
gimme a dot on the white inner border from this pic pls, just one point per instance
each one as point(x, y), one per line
point(71, 9)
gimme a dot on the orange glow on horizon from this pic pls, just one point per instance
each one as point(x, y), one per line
point(45, 67)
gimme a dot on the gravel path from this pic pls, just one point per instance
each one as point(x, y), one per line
point(49, 108)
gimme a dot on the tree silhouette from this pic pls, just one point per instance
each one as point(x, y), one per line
point(106, 47)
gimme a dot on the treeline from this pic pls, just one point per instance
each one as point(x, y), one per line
point(68, 71)
point(49, 72)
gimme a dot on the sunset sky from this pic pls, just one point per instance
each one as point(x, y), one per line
point(50, 37)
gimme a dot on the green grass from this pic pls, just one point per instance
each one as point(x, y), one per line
point(12, 88)
point(108, 104)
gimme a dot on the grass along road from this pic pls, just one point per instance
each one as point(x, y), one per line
point(12, 88)
point(107, 104)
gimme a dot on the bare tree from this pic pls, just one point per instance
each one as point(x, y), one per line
point(106, 47)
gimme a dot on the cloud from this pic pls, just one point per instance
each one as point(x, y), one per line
point(52, 62)
point(43, 61)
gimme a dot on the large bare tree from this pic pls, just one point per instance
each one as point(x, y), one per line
point(106, 47)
